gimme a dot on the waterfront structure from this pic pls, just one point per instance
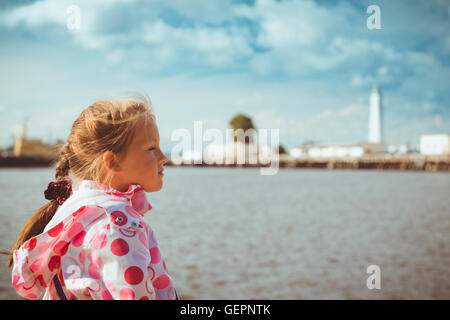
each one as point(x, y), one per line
point(343, 151)
point(375, 116)
point(238, 153)
point(374, 146)
point(20, 139)
point(435, 144)
point(189, 156)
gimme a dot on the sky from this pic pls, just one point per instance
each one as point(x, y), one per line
point(306, 68)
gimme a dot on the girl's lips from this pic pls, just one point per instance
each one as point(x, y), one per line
point(161, 172)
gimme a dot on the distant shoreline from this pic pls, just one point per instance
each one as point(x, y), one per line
point(24, 162)
point(410, 163)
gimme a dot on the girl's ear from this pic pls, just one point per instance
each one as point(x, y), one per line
point(110, 160)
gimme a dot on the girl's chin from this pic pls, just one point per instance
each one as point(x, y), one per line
point(153, 188)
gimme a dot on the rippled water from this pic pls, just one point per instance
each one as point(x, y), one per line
point(230, 233)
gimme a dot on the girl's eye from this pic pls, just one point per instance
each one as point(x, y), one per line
point(153, 148)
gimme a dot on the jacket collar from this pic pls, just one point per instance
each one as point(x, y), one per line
point(135, 194)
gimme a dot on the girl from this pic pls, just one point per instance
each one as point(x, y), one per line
point(94, 243)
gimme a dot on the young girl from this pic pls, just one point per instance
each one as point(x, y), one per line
point(93, 243)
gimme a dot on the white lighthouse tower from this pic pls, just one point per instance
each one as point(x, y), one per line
point(375, 135)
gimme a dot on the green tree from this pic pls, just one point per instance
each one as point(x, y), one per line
point(241, 121)
point(281, 150)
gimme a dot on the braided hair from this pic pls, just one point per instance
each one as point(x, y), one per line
point(104, 126)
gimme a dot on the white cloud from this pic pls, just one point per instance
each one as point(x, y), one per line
point(298, 56)
point(301, 37)
point(350, 110)
point(287, 25)
point(218, 46)
point(36, 14)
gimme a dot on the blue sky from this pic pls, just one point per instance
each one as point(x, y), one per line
point(305, 67)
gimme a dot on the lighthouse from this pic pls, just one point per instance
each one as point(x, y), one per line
point(375, 126)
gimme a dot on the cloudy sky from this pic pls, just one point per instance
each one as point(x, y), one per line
point(305, 67)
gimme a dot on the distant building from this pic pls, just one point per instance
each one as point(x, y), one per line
point(402, 149)
point(18, 145)
point(20, 140)
point(435, 144)
point(301, 151)
point(238, 153)
point(374, 146)
point(375, 124)
point(189, 156)
point(34, 148)
point(338, 151)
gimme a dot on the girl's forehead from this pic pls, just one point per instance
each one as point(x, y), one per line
point(147, 130)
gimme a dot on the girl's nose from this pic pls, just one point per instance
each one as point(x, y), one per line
point(163, 159)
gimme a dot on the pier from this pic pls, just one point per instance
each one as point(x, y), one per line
point(413, 163)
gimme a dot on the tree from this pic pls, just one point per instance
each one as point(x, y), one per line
point(241, 121)
point(281, 150)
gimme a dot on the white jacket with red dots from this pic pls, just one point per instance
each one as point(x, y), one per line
point(98, 246)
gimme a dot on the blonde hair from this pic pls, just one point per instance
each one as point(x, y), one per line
point(107, 125)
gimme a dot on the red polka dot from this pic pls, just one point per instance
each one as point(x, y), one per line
point(30, 244)
point(106, 295)
point(53, 232)
point(126, 294)
point(94, 272)
point(54, 263)
point(119, 247)
point(144, 298)
point(161, 282)
point(134, 275)
point(36, 265)
point(75, 230)
point(155, 255)
point(15, 280)
point(78, 240)
point(61, 247)
point(40, 278)
point(79, 211)
point(99, 241)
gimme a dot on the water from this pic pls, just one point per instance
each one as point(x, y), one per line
point(230, 233)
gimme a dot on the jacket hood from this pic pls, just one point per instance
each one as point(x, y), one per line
point(135, 194)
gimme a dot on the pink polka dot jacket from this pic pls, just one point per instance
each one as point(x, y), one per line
point(98, 246)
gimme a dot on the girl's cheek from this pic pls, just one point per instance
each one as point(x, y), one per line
point(154, 158)
point(151, 161)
